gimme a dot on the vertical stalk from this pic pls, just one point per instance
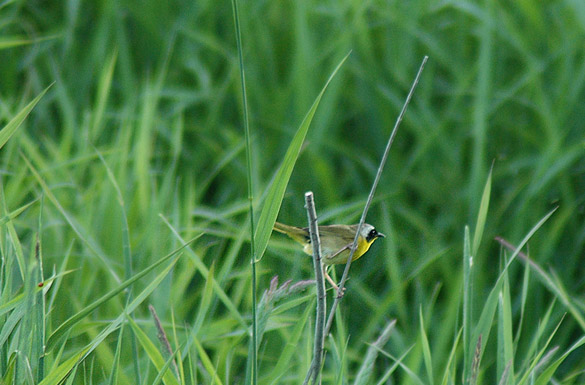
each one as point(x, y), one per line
point(254, 373)
point(321, 297)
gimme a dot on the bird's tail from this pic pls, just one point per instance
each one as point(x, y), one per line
point(297, 233)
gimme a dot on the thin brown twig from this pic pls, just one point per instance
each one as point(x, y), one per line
point(521, 254)
point(162, 337)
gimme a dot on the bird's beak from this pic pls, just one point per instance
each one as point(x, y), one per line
point(380, 235)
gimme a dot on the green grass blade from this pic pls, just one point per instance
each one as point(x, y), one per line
point(65, 326)
point(7, 42)
point(221, 294)
point(450, 372)
point(469, 254)
point(537, 343)
point(505, 356)
point(426, 349)
point(523, 299)
point(468, 345)
point(126, 248)
point(366, 368)
point(411, 376)
point(527, 238)
point(15, 213)
point(385, 379)
point(57, 375)
point(40, 301)
point(481, 103)
point(9, 130)
point(153, 354)
point(546, 375)
point(206, 361)
point(12, 235)
point(13, 41)
point(289, 349)
point(485, 321)
point(250, 188)
point(8, 376)
point(104, 86)
point(18, 299)
point(176, 358)
point(552, 282)
point(539, 350)
point(482, 215)
point(557, 288)
point(63, 370)
point(113, 380)
point(13, 319)
point(276, 191)
point(205, 301)
point(75, 226)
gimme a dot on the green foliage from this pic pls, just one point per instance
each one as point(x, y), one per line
point(121, 137)
point(278, 186)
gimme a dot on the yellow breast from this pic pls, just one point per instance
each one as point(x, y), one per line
point(335, 254)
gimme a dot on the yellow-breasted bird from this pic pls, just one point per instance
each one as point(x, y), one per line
point(336, 241)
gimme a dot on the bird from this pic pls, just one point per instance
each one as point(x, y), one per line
point(336, 241)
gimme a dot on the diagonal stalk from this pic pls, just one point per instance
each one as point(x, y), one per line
point(371, 197)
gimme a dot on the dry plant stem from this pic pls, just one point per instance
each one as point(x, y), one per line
point(371, 197)
point(476, 361)
point(162, 337)
point(521, 255)
point(320, 282)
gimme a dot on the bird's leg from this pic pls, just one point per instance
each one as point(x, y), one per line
point(346, 247)
point(328, 277)
point(332, 282)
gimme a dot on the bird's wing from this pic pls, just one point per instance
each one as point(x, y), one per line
point(344, 232)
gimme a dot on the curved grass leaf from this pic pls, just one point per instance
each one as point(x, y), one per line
point(426, 348)
point(75, 226)
point(155, 357)
point(485, 321)
point(277, 188)
point(63, 370)
point(288, 350)
point(18, 299)
point(57, 375)
point(9, 216)
point(547, 374)
point(65, 326)
point(450, 372)
point(482, 215)
point(467, 303)
point(206, 362)
point(367, 366)
point(13, 236)
point(202, 268)
point(13, 125)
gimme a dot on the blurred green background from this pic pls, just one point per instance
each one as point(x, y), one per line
point(154, 88)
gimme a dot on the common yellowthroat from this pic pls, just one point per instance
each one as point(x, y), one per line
point(336, 240)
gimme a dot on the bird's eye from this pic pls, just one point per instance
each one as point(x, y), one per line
point(373, 233)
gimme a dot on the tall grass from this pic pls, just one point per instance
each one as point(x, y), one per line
point(124, 185)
